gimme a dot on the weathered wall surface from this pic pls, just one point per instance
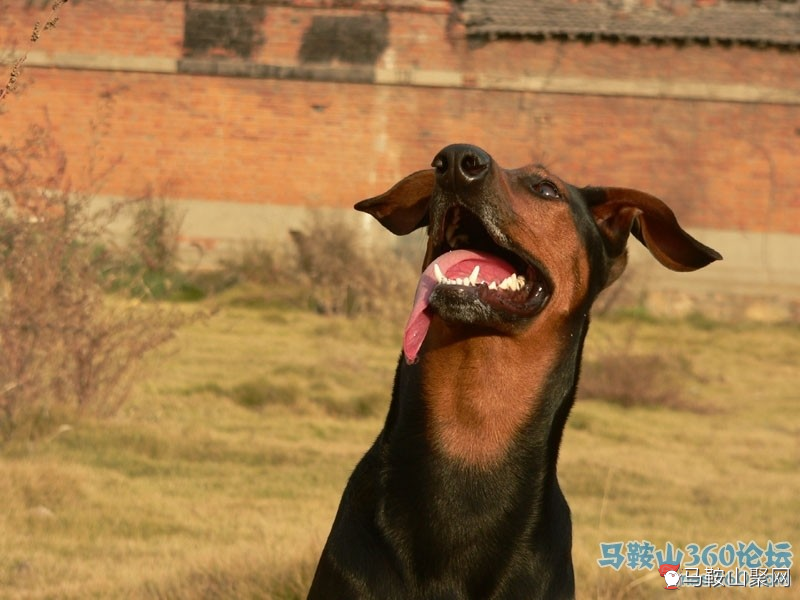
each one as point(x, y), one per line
point(310, 106)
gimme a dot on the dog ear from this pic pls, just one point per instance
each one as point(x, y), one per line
point(403, 208)
point(619, 212)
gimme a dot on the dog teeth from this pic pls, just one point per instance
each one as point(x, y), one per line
point(512, 283)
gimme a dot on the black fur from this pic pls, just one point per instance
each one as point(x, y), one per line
point(414, 524)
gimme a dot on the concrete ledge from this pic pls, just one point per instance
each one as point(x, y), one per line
point(752, 262)
point(758, 279)
point(588, 86)
point(97, 62)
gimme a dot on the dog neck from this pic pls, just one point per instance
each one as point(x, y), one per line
point(486, 404)
point(487, 442)
point(483, 392)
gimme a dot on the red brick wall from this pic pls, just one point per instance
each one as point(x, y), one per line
point(721, 164)
point(121, 27)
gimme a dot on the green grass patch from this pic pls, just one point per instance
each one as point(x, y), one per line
point(262, 392)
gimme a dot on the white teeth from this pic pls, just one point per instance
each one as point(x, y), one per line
point(513, 282)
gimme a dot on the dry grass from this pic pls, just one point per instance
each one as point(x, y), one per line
point(728, 473)
point(188, 494)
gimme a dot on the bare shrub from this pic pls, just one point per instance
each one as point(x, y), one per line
point(15, 72)
point(634, 380)
point(623, 295)
point(65, 348)
point(145, 265)
point(256, 261)
point(344, 276)
point(326, 266)
point(154, 234)
point(258, 273)
point(626, 377)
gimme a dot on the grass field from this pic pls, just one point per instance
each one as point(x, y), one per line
point(220, 478)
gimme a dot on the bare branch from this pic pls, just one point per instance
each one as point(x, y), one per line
point(16, 68)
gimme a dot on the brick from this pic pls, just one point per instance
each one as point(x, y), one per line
point(282, 135)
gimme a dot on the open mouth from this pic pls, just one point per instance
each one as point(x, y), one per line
point(477, 265)
point(475, 278)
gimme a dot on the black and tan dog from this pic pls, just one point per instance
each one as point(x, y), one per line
point(458, 498)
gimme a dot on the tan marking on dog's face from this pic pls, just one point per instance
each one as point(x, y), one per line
point(481, 389)
point(546, 229)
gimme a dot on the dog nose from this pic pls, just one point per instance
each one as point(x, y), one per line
point(460, 164)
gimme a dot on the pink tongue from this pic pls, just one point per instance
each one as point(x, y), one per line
point(457, 263)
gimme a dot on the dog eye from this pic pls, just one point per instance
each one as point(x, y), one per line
point(546, 189)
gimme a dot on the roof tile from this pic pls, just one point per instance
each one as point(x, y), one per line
point(765, 23)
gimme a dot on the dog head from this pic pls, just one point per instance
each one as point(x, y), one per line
point(507, 247)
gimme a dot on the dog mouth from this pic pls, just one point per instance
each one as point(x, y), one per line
point(477, 276)
point(500, 276)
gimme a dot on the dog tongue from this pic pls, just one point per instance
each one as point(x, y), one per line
point(453, 264)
